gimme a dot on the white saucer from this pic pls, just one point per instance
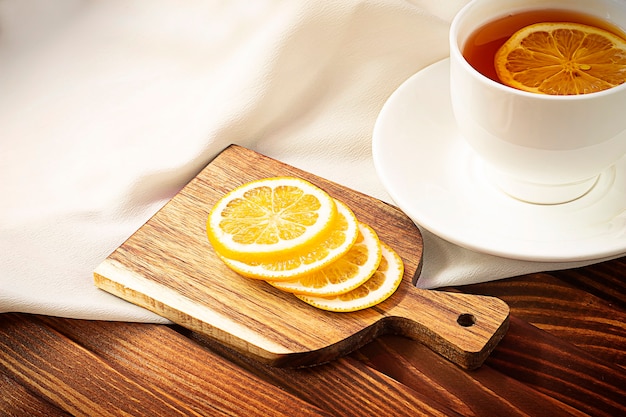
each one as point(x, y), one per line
point(435, 178)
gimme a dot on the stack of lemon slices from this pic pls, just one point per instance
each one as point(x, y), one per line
point(295, 236)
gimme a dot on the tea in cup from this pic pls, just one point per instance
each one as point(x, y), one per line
point(545, 135)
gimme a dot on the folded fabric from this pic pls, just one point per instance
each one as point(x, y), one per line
point(109, 107)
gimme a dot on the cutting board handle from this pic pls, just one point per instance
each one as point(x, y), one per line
point(464, 328)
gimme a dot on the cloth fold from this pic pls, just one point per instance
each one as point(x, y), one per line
point(109, 107)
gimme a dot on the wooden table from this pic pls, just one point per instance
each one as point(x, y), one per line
point(564, 354)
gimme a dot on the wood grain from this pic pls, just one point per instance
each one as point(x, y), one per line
point(169, 267)
point(511, 382)
point(17, 400)
point(574, 310)
point(554, 366)
point(338, 388)
point(604, 280)
point(572, 376)
point(563, 354)
point(113, 369)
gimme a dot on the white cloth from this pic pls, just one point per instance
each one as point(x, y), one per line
point(108, 107)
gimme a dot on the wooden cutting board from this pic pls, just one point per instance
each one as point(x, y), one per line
point(169, 267)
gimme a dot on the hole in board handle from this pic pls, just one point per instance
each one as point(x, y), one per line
point(466, 320)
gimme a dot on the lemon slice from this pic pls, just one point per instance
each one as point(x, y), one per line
point(562, 59)
point(270, 217)
point(341, 237)
point(378, 288)
point(343, 275)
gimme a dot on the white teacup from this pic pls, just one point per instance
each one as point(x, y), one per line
point(538, 148)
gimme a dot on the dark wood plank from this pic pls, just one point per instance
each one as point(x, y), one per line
point(570, 361)
point(70, 377)
point(606, 280)
point(483, 392)
point(530, 373)
point(338, 388)
point(560, 370)
point(17, 401)
point(345, 387)
point(150, 370)
point(594, 322)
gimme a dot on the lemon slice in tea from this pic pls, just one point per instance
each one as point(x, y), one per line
point(562, 59)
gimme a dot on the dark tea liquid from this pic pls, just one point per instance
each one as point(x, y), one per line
point(482, 45)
